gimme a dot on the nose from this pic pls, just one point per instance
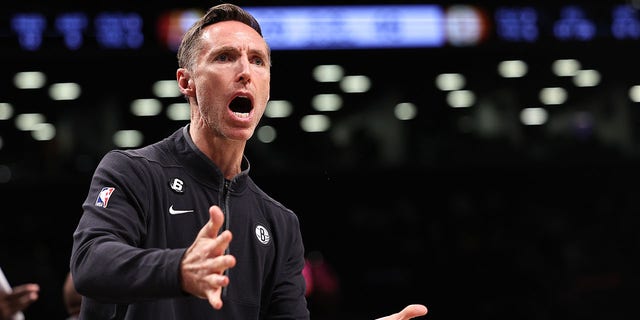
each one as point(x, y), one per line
point(244, 71)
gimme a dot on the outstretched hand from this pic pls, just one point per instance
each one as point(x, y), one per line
point(18, 299)
point(204, 263)
point(409, 312)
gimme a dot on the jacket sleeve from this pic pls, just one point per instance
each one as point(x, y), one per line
point(288, 300)
point(107, 261)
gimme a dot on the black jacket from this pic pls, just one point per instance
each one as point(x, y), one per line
point(146, 206)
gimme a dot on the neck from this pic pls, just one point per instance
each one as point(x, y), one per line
point(225, 153)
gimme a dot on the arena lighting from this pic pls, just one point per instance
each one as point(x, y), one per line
point(587, 78)
point(553, 95)
point(566, 67)
point(461, 98)
point(328, 27)
point(6, 111)
point(278, 109)
point(173, 24)
point(328, 73)
point(326, 102)
point(266, 134)
point(128, 138)
point(534, 116)
point(355, 84)
point(315, 123)
point(450, 81)
point(65, 91)
point(179, 111)
point(405, 111)
point(466, 25)
point(513, 68)
point(28, 121)
point(29, 80)
point(351, 27)
point(634, 93)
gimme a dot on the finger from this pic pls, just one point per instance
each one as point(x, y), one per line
point(24, 295)
point(24, 288)
point(412, 311)
point(214, 298)
point(216, 219)
point(221, 243)
point(214, 295)
point(219, 264)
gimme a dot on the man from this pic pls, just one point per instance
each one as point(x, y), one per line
point(155, 238)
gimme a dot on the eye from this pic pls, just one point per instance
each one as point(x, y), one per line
point(222, 57)
point(258, 61)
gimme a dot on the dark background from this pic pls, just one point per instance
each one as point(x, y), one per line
point(523, 223)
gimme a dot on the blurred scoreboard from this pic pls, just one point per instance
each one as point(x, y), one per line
point(326, 27)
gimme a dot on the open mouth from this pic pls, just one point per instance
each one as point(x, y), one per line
point(241, 106)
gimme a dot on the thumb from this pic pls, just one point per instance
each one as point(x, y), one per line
point(216, 219)
point(409, 312)
point(413, 310)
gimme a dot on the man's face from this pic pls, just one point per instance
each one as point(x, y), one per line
point(231, 78)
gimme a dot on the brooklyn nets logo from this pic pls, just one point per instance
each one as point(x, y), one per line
point(262, 234)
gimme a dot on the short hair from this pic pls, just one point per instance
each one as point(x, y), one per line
point(191, 41)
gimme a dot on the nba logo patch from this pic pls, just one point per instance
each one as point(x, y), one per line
point(103, 197)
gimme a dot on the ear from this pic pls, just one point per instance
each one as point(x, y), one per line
point(184, 82)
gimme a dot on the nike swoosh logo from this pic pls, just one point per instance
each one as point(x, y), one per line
point(174, 211)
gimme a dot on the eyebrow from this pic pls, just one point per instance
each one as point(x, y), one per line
point(232, 49)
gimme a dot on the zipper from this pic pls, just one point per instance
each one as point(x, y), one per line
point(225, 212)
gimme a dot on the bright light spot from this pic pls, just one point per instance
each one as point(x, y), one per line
point(278, 109)
point(533, 116)
point(266, 134)
point(166, 89)
point(461, 98)
point(634, 93)
point(405, 111)
point(179, 111)
point(146, 107)
point(587, 78)
point(553, 96)
point(29, 80)
point(27, 121)
point(64, 91)
point(565, 67)
point(128, 138)
point(6, 111)
point(328, 73)
point(315, 123)
point(513, 68)
point(355, 84)
point(43, 131)
point(464, 25)
point(450, 81)
point(326, 102)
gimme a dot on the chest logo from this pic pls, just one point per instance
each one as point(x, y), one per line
point(174, 211)
point(176, 185)
point(263, 234)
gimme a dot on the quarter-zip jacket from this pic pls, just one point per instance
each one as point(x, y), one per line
point(145, 207)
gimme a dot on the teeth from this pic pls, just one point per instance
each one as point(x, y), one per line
point(242, 114)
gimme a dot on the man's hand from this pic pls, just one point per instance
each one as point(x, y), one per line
point(204, 263)
point(409, 312)
point(18, 299)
